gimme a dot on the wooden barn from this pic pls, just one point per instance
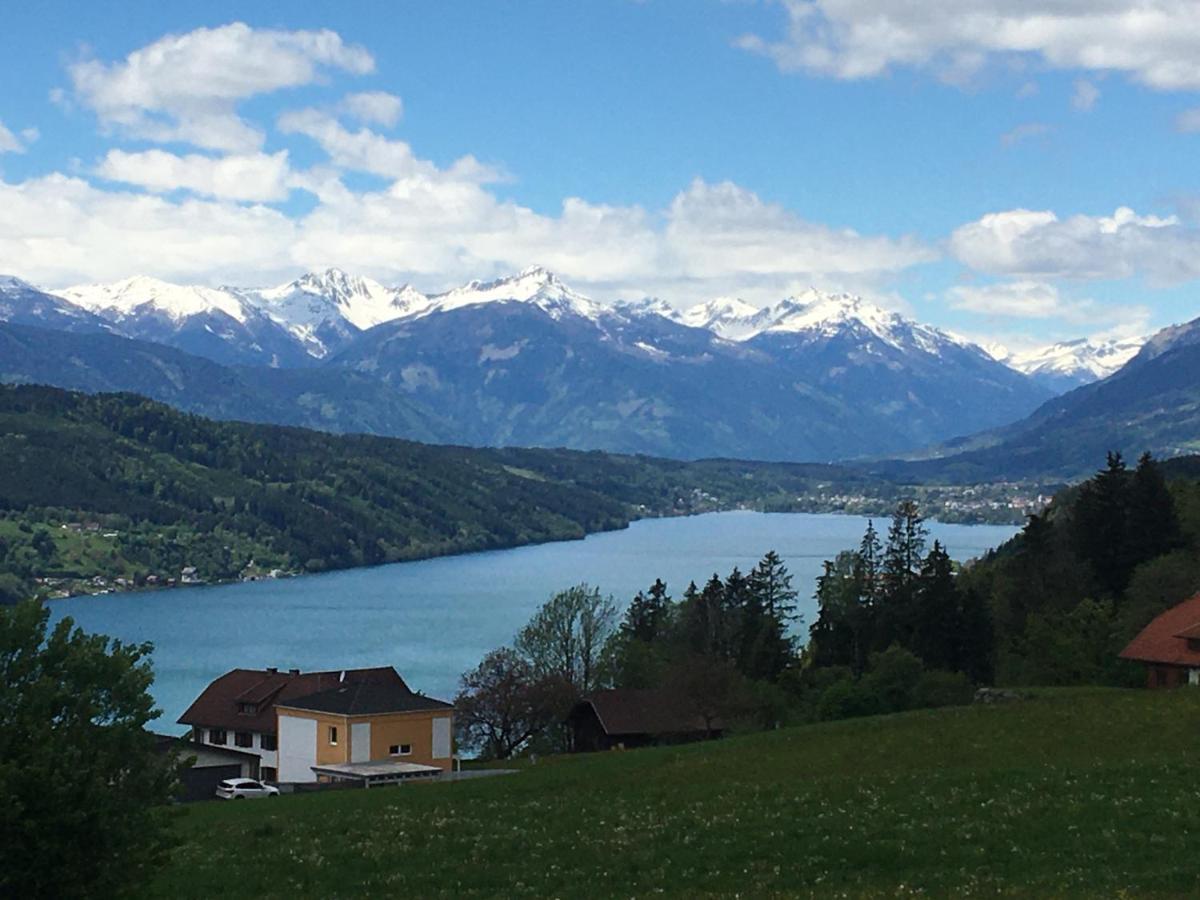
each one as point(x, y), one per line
point(1170, 646)
point(618, 719)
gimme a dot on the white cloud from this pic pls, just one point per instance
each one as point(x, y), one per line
point(186, 87)
point(1085, 95)
point(429, 227)
point(1024, 132)
point(374, 107)
point(1188, 121)
point(1037, 244)
point(11, 143)
point(1019, 299)
point(1155, 42)
point(252, 176)
point(59, 230)
point(365, 151)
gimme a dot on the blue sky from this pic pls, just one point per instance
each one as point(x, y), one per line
point(985, 166)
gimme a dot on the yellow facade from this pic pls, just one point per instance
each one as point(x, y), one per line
point(414, 729)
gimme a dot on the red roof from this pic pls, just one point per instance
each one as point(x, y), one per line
point(1165, 639)
point(218, 705)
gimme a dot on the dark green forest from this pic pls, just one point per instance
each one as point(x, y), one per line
point(97, 488)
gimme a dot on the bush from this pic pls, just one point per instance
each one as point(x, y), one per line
point(937, 688)
point(893, 677)
point(847, 699)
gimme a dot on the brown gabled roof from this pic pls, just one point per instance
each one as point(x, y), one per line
point(1164, 640)
point(217, 705)
point(365, 698)
point(627, 711)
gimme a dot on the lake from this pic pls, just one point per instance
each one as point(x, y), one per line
point(434, 619)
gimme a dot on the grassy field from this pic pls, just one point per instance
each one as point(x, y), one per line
point(1072, 793)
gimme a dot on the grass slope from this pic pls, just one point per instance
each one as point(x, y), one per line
point(1075, 793)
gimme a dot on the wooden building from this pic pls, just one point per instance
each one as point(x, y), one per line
point(607, 720)
point(1169, 646)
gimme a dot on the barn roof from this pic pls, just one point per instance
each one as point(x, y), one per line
point(1165, 640)
point(261, 689)
point(628, 711)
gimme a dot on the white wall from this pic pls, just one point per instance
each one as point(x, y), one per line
point(266, 757)
point(360, 742)
point(441, 738)
point(297, 748)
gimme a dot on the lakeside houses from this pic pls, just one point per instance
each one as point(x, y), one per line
point(305, 727)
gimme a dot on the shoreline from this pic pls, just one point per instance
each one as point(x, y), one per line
point(146, 589)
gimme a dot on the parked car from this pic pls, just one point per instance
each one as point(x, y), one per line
point(245, 788)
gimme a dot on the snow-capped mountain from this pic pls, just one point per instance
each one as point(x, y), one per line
point(728, 317)
point(1068, 364)
point(222, 324)
point(23, 304)
point(646, 306)
point(326, 310)
point(528, 360)
point(141, 294)
point(535, 285)
point(818, 316)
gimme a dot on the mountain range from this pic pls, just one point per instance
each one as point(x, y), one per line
point(1152, 403)
point(528, 361)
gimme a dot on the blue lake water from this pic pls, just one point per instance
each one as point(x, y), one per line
point(436, 618)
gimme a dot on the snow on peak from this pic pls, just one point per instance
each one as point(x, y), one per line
point(142, 293)
point(1082, 359)
point(533, 285)
point(728, 317)
point(11, 283)
point(818, 313)
point(318, 297)
point(646, 306)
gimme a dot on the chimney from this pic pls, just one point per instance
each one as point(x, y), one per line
point(272, 670)
point(293, 671)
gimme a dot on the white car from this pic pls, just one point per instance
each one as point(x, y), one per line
point(245, 788)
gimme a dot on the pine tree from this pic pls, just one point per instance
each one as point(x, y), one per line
point(766, 647)
point(936, 607)
point(1153, 524)
point(647, 617)
point(870, 565)
point(1101, 525)
point(901, 566)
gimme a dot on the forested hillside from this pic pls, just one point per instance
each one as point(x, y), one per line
point(1052, 606)
point(116, 486)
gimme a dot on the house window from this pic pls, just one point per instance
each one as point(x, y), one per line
point(269, 773)
point(217, 736)
point(400, 749)
point(243, 739)
point(268, 742)
point(247, 709)
point(333, 734)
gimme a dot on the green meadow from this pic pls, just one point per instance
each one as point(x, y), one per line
point(1084, 792)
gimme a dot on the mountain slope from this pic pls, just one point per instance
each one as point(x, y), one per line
point(23, 304)
point(1069, 364)
point(218, 323)
point(1152, 403)
point(337, 401)
point(326, 311)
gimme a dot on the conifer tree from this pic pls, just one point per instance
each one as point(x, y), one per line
point(1153, 524)
point(1101, 525)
